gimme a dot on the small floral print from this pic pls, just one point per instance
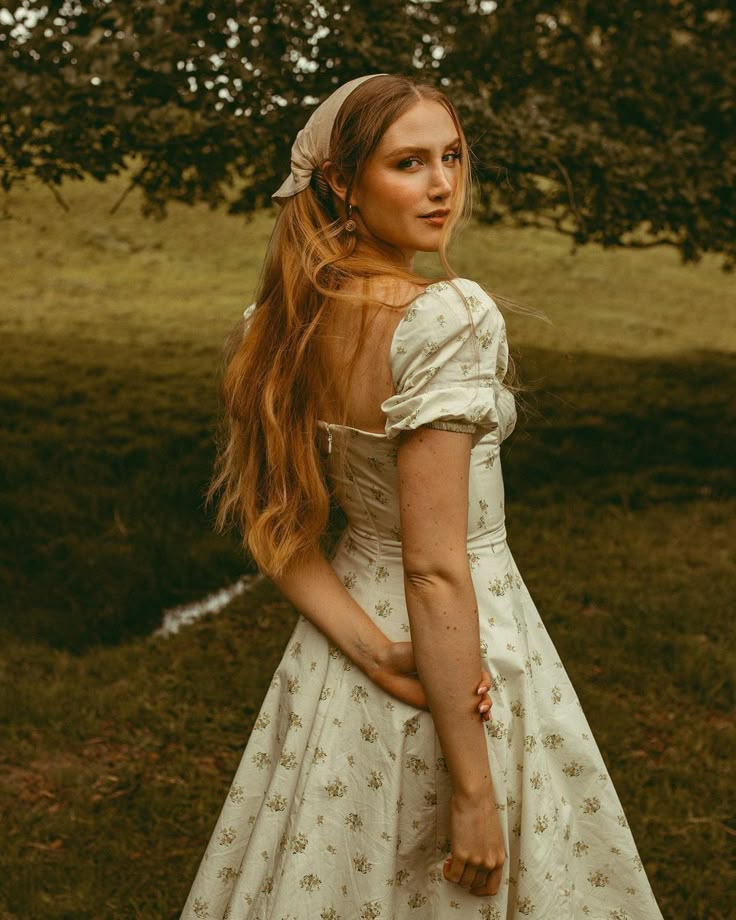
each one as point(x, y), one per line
point(417, 900)
point(416, 765)
point(359, 694)
point(371, 910)
point(319, 755)
point(580, 848)
point(325, 693)
point(496, 729)
point(267, 886)
point(485, 339)
point(541, 824)
point(489, 912)
point(430, 798)
point(536, 780)
point(553, 741)
point(556, 695)
point(619, 915)
point(369, 733)
point(261, 760)
point(296, 650)
point(381, 573)
point(441, 321)
point(299, 843)
point(263, 721)
point(622, 820)
point(411, 726)
point(525, 906)
point(349, 579)
point(517, 708)
point(336, 789)
point(375, 779)
point(638, 864)
point(276, 802)
point(573, 768)
point(375, 464)
point(410, 315)
point(362, 864)
point(598, 879)
point(591, 805)
point(384, 609)
point(237, 793)
point(354, 821)
point(201, 908)
point(379, 495)
point(310, 882)
point(329, 913)
point(441, 765)
point(473, 560)
point(295, 721)
point(228, 874)
point(227, 835)
point(292, 685)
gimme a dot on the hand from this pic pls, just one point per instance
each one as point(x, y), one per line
point(478, 853)
point(396, 674)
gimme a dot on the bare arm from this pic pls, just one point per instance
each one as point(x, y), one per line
point(314, 588)
point(443, 614)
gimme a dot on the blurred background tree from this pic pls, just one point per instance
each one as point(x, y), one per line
point(613, 122)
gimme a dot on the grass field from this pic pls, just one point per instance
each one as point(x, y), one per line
point(117, 748)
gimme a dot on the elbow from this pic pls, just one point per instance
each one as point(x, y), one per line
point(440, 576)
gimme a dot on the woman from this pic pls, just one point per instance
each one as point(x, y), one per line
point(358, 378)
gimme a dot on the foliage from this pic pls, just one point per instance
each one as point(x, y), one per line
point(614, 122)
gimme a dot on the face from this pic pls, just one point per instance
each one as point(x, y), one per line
point(408, 184)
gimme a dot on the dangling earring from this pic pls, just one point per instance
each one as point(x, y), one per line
point(349, 226)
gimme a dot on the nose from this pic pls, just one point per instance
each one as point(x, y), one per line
point(440, 185)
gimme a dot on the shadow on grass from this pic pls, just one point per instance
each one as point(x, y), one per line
point(108, 452)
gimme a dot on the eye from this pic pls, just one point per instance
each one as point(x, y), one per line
point(409, 162)
point(454, 156)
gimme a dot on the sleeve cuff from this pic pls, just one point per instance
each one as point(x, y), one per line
point(464, 427)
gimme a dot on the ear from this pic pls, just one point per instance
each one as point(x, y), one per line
point(335, 180)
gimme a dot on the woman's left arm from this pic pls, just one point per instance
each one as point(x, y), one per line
point(315, 590)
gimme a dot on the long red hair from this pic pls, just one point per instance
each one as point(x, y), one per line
point(269, 476)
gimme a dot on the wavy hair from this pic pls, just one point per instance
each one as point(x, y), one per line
point(270, 479)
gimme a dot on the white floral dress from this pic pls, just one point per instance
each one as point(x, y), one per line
point(339, 808)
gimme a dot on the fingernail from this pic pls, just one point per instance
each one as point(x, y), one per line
point(482, 690)
point(484, 707)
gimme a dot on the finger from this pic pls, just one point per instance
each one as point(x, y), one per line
point(467, 879)
point(494, 881)
point(453, 869)
point(481, 883)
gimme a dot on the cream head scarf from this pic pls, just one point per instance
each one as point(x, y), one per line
point(312, 145)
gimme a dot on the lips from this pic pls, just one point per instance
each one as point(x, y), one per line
point(440, 212)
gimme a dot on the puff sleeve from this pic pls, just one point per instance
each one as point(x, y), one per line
point(449, 355)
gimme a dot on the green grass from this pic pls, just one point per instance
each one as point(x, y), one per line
point(118, 747)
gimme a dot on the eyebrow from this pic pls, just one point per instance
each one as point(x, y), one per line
point(402, 151)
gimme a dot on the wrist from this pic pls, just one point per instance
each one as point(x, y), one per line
point(372, 652)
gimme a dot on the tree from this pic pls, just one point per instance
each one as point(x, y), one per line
point(604, 119)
